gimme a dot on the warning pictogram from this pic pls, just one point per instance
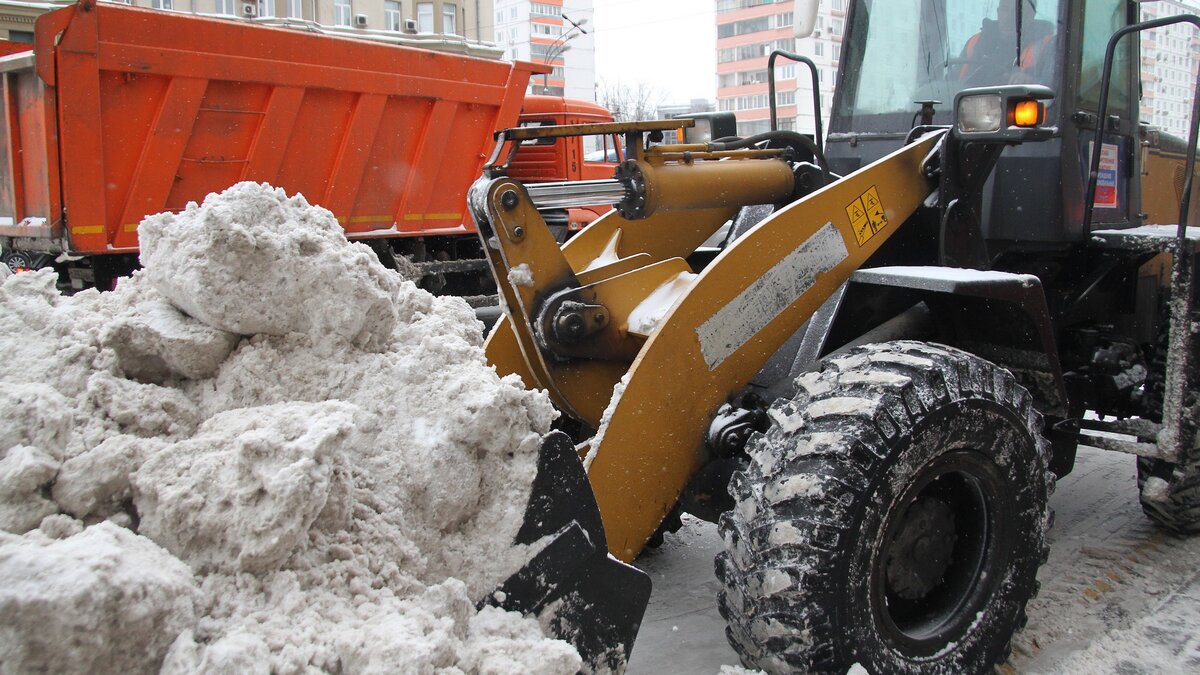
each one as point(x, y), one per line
point(875, 212)
point(857, 213)
point(867, 216)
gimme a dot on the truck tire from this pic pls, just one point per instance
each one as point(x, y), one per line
point(894, 515)
point(1170, 492)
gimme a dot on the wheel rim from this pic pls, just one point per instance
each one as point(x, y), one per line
point(942, 552)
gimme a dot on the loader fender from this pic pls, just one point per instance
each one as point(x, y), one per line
point(999, 316)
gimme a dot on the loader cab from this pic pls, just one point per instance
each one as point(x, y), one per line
point(897, 53)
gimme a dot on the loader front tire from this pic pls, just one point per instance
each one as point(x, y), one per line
point(894, 515)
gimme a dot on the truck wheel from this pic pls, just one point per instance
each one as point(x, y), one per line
point(1170, 492)
point(894, 515)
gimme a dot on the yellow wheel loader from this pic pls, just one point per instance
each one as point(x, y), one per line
point(867, 357)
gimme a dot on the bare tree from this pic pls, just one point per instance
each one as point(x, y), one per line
point(630, 103)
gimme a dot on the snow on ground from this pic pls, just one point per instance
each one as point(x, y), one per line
point(264, 452)
point(1118, 596)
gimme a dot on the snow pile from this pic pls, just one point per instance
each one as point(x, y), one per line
point(263, 453)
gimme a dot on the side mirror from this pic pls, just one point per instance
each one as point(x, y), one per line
point(804, 17)
point(1007, 114)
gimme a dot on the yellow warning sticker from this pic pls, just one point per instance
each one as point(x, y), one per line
point(859, 221)
point(867, 216)
point(875, 212)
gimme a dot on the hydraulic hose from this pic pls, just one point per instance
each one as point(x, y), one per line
point(791, 138)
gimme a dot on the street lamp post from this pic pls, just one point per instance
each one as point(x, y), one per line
point(560, 46)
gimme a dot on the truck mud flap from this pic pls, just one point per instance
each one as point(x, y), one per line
point(583, 594)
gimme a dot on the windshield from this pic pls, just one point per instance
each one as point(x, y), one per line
point(918, 50)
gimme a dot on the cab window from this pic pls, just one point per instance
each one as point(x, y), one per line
point(913, 50)
point(601, 149)
point(1102, 18)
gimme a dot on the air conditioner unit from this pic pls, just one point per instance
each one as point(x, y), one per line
point(249, 10)
point(360, 20)
point(410, 25)
point(817, 33)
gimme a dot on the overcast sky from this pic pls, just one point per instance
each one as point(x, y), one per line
point(669, 44)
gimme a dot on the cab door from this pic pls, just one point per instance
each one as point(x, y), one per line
point(1117, 193)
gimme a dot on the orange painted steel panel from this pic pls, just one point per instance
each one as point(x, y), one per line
point(351, 161)
point(144, 111)
point(153, 177)
point(274, 132)
point(12, 198)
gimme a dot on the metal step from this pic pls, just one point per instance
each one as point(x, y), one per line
point(1145, 238)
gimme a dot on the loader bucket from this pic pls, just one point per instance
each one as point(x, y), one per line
point(584, 595)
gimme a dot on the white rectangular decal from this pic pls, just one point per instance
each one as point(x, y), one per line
point(1106, 181)
point(762, 301)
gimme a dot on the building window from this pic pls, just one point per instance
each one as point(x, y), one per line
point(224, 6)
point(341, 12)
point(295, 9)
point(391, 15)
point(546, 29)
point(162, 4)
point(265, 7)
point(543, 9)
point(424, 17)
point(449, 18)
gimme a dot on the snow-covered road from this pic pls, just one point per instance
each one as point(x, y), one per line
point(1118, 595)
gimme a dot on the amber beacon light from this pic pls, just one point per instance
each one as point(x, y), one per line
point(1028, 113)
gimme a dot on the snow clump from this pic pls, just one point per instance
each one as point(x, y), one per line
point(265, 452)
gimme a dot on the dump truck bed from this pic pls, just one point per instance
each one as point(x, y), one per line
point(122, 112)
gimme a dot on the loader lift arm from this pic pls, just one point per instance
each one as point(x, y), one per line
point(619, 303)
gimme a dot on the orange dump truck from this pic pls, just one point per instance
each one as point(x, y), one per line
point(121, 112)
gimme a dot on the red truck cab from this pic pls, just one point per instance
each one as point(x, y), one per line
point(566, 159)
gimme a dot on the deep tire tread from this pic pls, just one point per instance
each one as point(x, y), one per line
point(841, 448)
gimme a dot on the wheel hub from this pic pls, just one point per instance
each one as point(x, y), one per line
point(920, 553)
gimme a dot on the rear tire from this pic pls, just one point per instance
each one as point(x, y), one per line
point(894, 515)
point(1170, 492)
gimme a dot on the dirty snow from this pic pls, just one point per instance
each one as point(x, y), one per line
point(521, 276)
point(265, 452)
point(650, 312)
point(605, 420)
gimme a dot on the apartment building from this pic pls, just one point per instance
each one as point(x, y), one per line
point(464, 20)
point(1169, 66)
point(747, 32)
point(554, 32)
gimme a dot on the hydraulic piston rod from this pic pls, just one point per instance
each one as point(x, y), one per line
point(577, 193)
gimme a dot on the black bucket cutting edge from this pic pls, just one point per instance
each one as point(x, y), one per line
point(587, 597)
